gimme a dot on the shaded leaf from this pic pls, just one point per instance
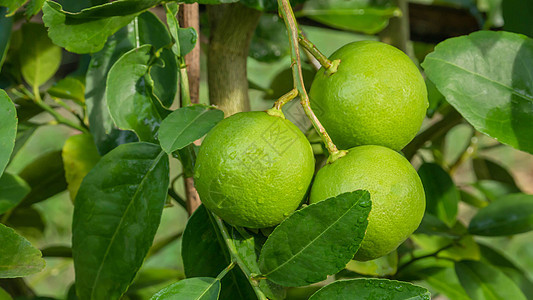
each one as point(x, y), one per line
point(6, 24)
point(116, 214)
point(186, 125)
point(442, 196)
point(39, 57)
point(79, 157)
point(472, 199)
point(199, 288)
point(17, 256)
point(266, 5)
point(12, 190)
point(269, 42)
point(68, 88)
point(494, 190)
point(106, 136)
point(488, 169)
point(283, 82)
point(205, 254)
point(13, 5)
point(26, 219)
point(512, 214)
point(151, 276)
point(517, 16)
point(296, 255)
point(487, 78)
point(129, 93)
point(482, 281)
point(8, 129)
point(187, 38)
point(446, 282)
point(4, 295)
point(360, 289)
point(459, 249)
point(46, 177)
point(33, 8)
point(355, 15)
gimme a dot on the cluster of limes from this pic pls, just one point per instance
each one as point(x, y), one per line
point(255, 168)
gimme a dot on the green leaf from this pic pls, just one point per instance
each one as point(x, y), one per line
point(199, 288)
point(463, 248)
point(362, 289)
point(494, 190)
point(472, 199)
point(488, 169)
point(4, 295)
point(78, 34)
point(13, 5)
point(296, 255)
point(482, 281)
point(382, 266)
point(269, 42)
point(282, 82)
point(148, 277)
point(486, 77)
point(33, 8)
point(187, 37)
point(205, 254)
point(18, 257)
point(517, 16)
point(354, 15)
point(39, 57)
point(512, 214)
point(46, 177)
point(24, 218)
point(442, 196)
point(6, 25)
point(68, 88)
point(445, 282)
point(210, 1)
point(266, 5)
point(12, 190)
point(129, 93)
point(116, 214)
point(106, 136)
point(79, 157)
point(8, 129)
point(186, 125)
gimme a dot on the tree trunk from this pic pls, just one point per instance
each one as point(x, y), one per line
point(231, 29)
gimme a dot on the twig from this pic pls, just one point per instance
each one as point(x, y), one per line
point(286, 12)
point(402, 267)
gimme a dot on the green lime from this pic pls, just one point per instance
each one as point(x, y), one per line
point(254, 169)
point(397, 194)
point(376, 97)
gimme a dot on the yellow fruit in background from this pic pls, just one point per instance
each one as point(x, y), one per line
point(376, 97)
point(397, 194)
point(254, 169)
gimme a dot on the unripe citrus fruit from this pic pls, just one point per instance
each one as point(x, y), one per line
point(376, 97)
point(253, 169)
point(397, 194)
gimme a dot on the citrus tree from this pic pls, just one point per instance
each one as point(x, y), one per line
point(299, 160)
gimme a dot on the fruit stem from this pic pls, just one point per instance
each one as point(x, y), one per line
point(330, 66)
point(286, 98)
point(285, 11)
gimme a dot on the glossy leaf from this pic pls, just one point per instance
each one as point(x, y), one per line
point(129, 93)
point(116, 214)
point(80, 35)
point(482, 281)
point(46, 177)
point(269, 42)
point(12, 190)
point(296, 255)
point(8, 129)
point(17, 256)
point(487, 169)
point(198, 288)
point(512, 214)
point(442, 196)
point(79, 157)
point(6, 24)
point(39, 57)
point(355, 15)
point(68, 88)
point(382, 266)
point(186, 125)
point(106, 136)
point(486, 77)
point(171, 10)
point(517, 16)
point(362, 289)
point(187, 38)
point(205, 254)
